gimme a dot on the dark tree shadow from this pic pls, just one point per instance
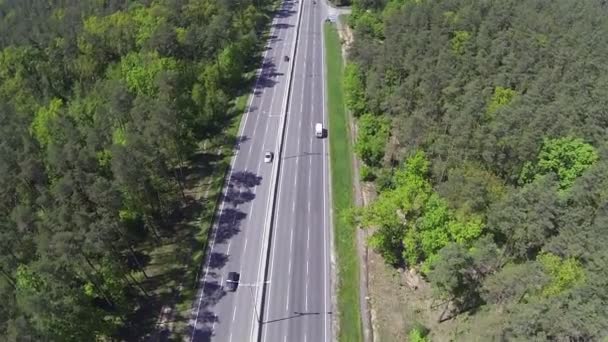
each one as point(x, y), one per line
point(228, 224)
point(202, 335)
point(218, 260)
point(136, 259)
point(237, 197)
point(286, 12)
point(202, 328)
point(245, 179)
point(241, 139)
point(282, 26)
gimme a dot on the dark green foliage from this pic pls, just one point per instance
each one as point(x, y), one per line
point(102, 103)
point(526, 218)
point(505, 98)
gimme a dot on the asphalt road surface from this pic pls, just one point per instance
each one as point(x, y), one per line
point(298, 298)
point(239, 239)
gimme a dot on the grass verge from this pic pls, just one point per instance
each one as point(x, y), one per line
point(342, 192)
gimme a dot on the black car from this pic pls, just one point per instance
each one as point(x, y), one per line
point(286, 58)
point(232, 282)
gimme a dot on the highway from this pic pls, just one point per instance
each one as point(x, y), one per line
point(239, 239)
point(298, 296)
point(275, 232)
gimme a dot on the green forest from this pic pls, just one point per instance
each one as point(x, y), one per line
point(483, 126)
point(102, 105)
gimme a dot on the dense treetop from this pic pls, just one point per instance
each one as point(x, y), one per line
point(484, 126)
point(101, 104)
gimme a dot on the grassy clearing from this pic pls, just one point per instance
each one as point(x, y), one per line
point(342, 193)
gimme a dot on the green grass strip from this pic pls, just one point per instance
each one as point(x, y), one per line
point(342, 192)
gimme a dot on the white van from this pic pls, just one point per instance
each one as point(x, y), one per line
point(319, 130)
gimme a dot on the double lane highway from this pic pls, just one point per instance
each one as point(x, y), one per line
point(296, 297)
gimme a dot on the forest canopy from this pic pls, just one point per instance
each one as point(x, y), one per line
point(101, 105)
point(493, 169)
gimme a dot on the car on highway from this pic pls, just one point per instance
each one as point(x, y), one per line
point(232, 282)
point(286, 58)
point(268, 157)
point(319, 130)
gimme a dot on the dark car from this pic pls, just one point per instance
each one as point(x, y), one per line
point(286, 58)
point(232, 282)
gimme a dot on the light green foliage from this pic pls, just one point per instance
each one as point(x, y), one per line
point(104, 157)
point(180, 33)
point(139, 70)
point(200, 10)
point(564, 274)
point(459, 40)
point(367, 173)
point(14, 77)
point(373, 133)
point(251, 19)
point(451, 17)
point(28, 281)
point(413, 221)
point(147, 20)
point(417, 335)
point(414, 172)
point(127, 215)
point(430, 229)
point(231, 61)
point(354, 89)
point(208, 93)
point(116, 32)
point(119, 137)
point(43, 119)
point(393, 6)
point(501, 97)
point(466, 230)
point(567, 157)
point(542, 40)
point(369, 22)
